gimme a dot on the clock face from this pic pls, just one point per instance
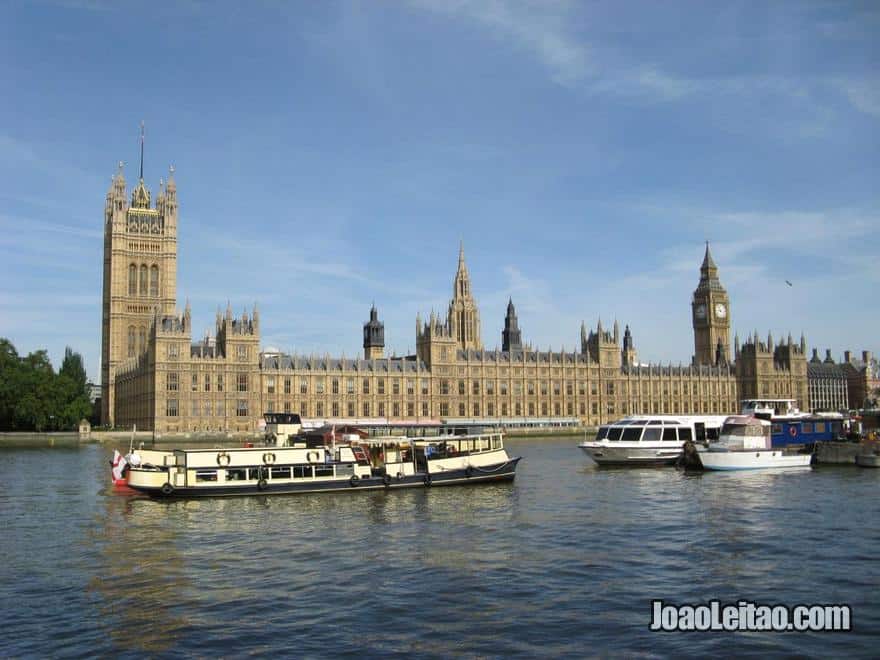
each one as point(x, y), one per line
point(720, 310)
point(700, 311)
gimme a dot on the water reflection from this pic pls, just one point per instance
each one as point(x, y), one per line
point(139, 573)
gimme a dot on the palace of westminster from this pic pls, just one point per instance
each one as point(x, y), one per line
point(155, 376)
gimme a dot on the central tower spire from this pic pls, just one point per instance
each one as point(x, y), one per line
point(142, 150)
point(464, 317)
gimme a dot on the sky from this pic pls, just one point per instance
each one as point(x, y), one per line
point(329, 155)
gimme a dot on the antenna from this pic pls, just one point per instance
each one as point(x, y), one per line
point(142, 150)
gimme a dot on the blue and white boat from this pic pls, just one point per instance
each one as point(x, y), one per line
point(790, 426)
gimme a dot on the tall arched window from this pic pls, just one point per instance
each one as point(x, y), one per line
point(143, 287)
point(142, 343)
point(132, 280)
point(131, 339)
point(154, 281)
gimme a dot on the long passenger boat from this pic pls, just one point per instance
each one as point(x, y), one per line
point(294, 466)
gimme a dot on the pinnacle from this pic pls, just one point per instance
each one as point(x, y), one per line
point(708, 262)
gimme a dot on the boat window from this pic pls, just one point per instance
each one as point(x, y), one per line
point(614, 433)
point(603, 433)
point(323, 470)
point(236, 474)
point(257, 473)
point(655, 422)
point(344, 470)
point(280, 472)
point(652, 433)
point(639, 422)
point(669, 433)
point(820, 427)
point(777, 428)
point(684, 433)
point(302, 471)
point(206, 475)
point(712, 433)
point(743, 430)
point(808, 427)
point(632, 434)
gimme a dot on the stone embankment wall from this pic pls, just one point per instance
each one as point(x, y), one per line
point(39, 439)
point(840, 453)
point(121, 439)
point(588, 432)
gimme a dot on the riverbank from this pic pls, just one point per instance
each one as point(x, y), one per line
point(149, 439)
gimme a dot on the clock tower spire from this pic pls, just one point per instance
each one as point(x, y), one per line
point(711, 316)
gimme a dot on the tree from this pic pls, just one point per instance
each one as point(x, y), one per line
point(73, 368)
point(10, 385)
point(34, 398)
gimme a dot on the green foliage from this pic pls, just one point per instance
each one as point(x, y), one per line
point(34, 398)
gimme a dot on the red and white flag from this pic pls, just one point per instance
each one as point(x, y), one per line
point(119, 464)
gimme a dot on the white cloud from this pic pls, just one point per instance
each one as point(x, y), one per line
point(539, 27)
point(864, 93)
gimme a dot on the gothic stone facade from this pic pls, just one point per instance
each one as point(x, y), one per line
point(160, 379)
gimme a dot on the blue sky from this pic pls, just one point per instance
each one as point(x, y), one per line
point(329, 155)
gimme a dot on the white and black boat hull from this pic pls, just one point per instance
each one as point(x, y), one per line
point(505, 471)
point(631, 456)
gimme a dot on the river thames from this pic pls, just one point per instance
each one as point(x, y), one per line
point(563, 562)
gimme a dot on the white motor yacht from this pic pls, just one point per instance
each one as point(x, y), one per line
point(744, 444)
point(650, 439)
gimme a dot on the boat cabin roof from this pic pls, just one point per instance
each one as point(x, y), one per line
point(746, 420)
point(668, 420)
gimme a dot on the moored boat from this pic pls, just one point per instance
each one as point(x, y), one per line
point(301, 467)
point(791, 426)
point(745, 444)
point(649, 439)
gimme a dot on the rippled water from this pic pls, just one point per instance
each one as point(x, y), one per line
point(563, 562)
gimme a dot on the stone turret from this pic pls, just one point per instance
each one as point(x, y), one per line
point(511, 337)
point(374, 336)
point(629, 355)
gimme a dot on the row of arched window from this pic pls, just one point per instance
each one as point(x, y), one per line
point(143, 281)
point(137, 340)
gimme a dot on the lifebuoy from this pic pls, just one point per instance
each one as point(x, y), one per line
point(223, 459)
point(792, 431)
point(313, 457)
point(469, 472)
point(386, 480)
point(167, 488)
point(268, 458)
point(427, 480)
point(262, 484)
point(354, 480)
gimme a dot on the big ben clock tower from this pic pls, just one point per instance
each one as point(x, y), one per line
point(711, 316)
